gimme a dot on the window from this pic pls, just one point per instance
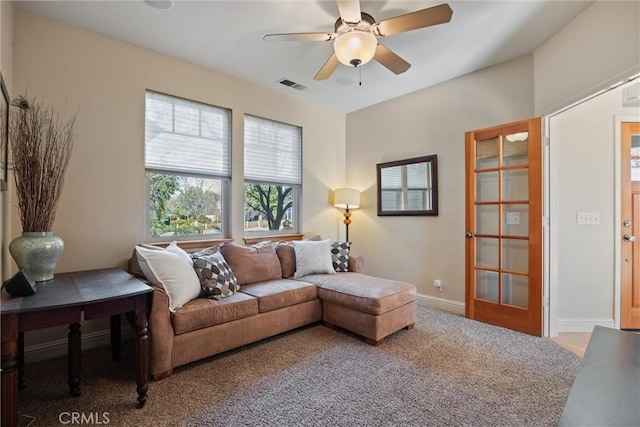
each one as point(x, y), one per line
point(272, 176)
point(188, 166)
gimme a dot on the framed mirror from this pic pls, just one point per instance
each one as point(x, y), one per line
point(408, 187)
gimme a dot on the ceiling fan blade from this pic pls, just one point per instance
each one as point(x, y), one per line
point(390, 60)
point(349, 11)
point(328, 68)
point(412, 21)
point(300, 37)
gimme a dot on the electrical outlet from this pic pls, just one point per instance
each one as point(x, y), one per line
point(437, 285)
point(588, 218)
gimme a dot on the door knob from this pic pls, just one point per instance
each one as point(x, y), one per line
point(468, 234)
point(629, 238)
point(626, 223)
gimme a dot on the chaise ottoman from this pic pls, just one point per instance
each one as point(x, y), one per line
point(369, 306)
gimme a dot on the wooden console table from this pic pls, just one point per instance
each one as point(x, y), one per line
point(61, 301)
point(606, 391)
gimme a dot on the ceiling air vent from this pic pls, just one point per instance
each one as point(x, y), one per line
point(291, 84)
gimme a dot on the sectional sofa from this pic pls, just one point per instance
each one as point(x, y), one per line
point(273, 297)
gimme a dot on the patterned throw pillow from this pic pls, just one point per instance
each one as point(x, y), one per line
point(216, 278)
point(340, 256)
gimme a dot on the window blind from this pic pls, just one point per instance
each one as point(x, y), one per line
point(187, 136)
point(417, 177)
point(272, 151)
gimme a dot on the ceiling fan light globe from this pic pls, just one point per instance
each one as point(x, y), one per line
point(355, 48)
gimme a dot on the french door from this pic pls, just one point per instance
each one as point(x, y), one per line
point(630, 209)
point(504, 226)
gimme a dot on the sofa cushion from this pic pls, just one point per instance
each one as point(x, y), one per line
point(252, 264)
point(204, 312)
point(340, 256)
point(216, 278)
point(276, 294)
point(364, 293)
point(313, 257)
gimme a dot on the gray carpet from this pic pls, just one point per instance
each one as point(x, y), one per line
point(448, 371)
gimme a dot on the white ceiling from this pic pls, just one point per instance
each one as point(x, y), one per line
point(226, 36)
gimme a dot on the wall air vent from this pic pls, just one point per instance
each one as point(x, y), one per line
point(291, 84)
point(631, 96)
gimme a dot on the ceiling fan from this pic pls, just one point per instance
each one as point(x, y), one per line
point(355, 39)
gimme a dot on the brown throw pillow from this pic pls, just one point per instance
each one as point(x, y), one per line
point(252, 264)
point(287, 257)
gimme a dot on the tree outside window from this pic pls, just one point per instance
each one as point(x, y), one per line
point(268, 207)
point(180, 205)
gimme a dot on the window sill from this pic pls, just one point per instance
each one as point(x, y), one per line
point(275, 238)
point(190, 245)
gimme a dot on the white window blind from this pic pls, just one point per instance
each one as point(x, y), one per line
point(417, 177)
point(272, 151)
point(187, 136)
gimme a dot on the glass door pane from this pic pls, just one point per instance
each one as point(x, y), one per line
point(515, 185)
point(515, 255)
point(515, 149)
point(488, 219)
point(515, 290)
point(487, 285)
point(487, 187)
point(487, 154)
point(487, 252)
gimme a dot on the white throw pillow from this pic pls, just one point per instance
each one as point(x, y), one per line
point(173, 247)
point(170, 270)
point(313, 257)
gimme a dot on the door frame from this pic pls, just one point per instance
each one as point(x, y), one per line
point(617, 258)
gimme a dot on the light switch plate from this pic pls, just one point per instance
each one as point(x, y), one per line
point(588, 218)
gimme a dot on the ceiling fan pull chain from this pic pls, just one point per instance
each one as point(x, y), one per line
point(359, 76)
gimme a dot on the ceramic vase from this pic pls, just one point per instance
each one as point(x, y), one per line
point(37, 253)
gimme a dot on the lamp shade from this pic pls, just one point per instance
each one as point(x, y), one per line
point(355, 47)
point(346, 198)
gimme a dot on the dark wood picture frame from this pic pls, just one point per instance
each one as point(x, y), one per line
point(431, 192)
point(4, 135)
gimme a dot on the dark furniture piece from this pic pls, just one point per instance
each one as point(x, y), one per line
point(97, 293)
point(606, 391)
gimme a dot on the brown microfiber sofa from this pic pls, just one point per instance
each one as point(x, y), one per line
point(271, 302)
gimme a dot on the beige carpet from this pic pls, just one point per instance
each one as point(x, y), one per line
point(448, 371)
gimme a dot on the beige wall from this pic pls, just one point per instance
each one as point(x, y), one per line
point(598, 48)
point(430, 121)
point(102, 210)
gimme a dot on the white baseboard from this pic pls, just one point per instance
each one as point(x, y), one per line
point(583, 325)
point(51, 349)
point(455, 307)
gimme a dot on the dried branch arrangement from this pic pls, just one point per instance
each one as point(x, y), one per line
point(41, 145)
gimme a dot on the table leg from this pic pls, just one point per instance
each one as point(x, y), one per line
point(9, 375)
point(73, 357)
point(115, 336)
point(142, 357)
point(21, 359)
